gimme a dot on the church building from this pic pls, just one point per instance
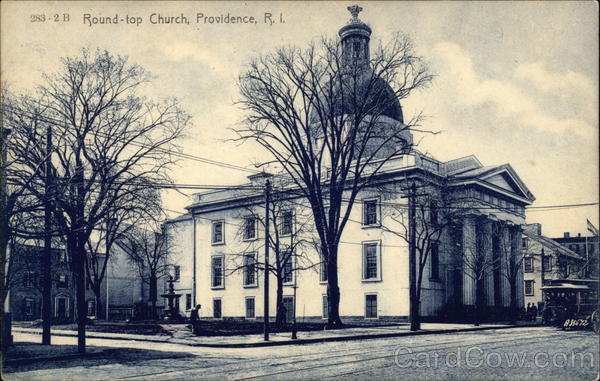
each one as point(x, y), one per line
point(476, 259)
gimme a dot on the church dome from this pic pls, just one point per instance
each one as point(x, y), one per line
point(374, 92)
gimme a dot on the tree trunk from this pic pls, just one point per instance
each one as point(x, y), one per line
point(79, 275)
point(479, 301)
point(4, 324)
point(47, 280)
point(333, 289)
point(513, 301)
point(153, 294)
point(280, 315)
point(98, 298)
point(415, 323)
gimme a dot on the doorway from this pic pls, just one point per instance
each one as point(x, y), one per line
point(288, 304)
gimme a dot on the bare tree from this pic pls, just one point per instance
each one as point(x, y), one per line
point(148, 248)
point(128, 210)
point(323, 115)
point(290, 241)
point(112, 142)
point(26, 201)
point(567, 267)
point(435, 211)
point(510, 261)
point(473, 256)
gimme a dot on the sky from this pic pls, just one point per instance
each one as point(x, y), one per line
point(516, 82)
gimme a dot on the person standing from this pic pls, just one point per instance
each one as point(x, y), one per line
point(534, 312)
point(195, 319)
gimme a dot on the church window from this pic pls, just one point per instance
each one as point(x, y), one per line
point(529, 287)
point(370, 212)
point(528, 264)
point(371, 261)
point(217, 272)
point(371, 306)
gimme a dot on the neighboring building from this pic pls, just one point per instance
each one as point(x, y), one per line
point(122, 282)
point(544, 260)
point(183, 272)
point(126, 289)
point(588, 247)
point(25, 296)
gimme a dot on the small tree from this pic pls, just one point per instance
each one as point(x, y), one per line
point(510, 261)
point(473, 257)
point(148, 248)
point(128, 211)
point(434, 213)
point(25, 191)
point(290, 237)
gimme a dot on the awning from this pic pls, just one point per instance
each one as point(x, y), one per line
point(566, 286)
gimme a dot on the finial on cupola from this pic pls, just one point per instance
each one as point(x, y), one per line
point(354, 11)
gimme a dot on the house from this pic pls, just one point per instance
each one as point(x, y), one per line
point(587, 247)
point(122, 283)
point(545, 260)
point(25, 297)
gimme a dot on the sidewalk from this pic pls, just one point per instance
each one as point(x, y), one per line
point(180, 334)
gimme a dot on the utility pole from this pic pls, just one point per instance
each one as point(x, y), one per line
point(5, 316)
point(412, 226)
point(267, 243)
point(47, 258)
point(542, 267)
point(294, 274)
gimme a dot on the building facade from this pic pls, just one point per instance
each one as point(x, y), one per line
point(587, 247)
point(25, 296)
point(544, 261)
point(122, 283)
point(220, 242)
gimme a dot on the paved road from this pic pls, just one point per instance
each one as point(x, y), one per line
point(520, 353)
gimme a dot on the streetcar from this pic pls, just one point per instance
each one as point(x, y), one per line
point(571, 304)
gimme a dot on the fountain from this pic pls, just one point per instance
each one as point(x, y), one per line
point(172, 313)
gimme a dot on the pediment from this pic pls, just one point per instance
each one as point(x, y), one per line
point(503, 182)
point(506, 178)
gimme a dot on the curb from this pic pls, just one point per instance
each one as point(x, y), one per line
point(350, 338)
point(35, 332)
point(305, 341)
point(29, 360)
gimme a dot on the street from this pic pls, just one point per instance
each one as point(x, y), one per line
point(519, 353)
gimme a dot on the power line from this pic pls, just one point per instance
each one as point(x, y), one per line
point(142, 145)
point(232, 166)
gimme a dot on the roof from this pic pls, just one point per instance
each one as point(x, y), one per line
point(502, 178)
point(548, 242)
point(182, 217)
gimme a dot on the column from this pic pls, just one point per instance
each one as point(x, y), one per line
point(505, 252)
point(488, 255)
point(469, 247)
point(517, 255)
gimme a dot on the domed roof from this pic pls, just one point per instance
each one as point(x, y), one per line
point(383, 100)
point(373, 93)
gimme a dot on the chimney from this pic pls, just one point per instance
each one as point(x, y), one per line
point(566, 235)
point(259, 178)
